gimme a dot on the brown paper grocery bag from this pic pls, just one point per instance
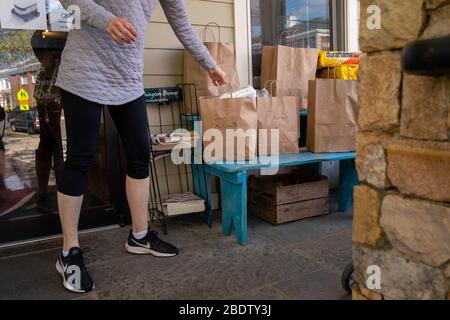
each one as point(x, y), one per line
point(281, 113)
point(223, 53)
point(332, 113)
point(292, 68)
point(235, 114)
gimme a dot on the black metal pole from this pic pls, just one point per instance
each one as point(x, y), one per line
point(427, 57)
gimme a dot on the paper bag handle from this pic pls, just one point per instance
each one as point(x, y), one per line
point(334, 72)
point(230, 88)
point(280, 37)
point(209, 27)
point(271, 82)
point(294, 33)
point(219, 57)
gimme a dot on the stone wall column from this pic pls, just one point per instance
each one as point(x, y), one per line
point(402, 207)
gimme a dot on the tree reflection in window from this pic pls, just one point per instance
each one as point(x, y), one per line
point(15, 47)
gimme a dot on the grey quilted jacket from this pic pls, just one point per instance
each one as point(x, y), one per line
point(97, 69)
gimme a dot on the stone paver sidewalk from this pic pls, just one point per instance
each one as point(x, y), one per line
point(301, 260)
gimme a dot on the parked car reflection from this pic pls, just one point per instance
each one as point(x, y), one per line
point(27, 121)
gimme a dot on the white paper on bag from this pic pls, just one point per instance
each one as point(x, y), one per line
point(248, 92)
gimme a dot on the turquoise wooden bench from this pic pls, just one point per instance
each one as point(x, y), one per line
point(233, 178)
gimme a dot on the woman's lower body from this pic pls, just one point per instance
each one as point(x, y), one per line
point(82, 120)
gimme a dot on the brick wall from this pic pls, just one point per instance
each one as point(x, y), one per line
point(402, 208)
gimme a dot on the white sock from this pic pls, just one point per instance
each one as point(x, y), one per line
point(140, 235)
point(65, 253)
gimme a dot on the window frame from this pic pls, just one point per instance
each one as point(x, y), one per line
point(5, 84)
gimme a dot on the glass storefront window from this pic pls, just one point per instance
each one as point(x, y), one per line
point(301, 23)
point(33, 141)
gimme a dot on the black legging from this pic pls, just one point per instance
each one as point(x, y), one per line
point(2, 128)
point(82, 119)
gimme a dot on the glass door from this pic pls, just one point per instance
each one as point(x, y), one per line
point(33, 143)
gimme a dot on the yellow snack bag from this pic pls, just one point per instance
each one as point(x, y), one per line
point(343, 72)
point(331, 59)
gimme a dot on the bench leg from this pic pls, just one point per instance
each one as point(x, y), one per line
point(195, 178)
point(202, 188)
point(234, 209)
point(348, 179)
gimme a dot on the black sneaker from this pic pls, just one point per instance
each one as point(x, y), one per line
point(150, 244)
point(73, 270)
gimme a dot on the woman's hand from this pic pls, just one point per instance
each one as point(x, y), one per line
point(218, 77)
point(121, 31)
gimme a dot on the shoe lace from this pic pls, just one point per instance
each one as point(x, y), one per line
point(153, 238)
point(153, 232)
point(81, 260)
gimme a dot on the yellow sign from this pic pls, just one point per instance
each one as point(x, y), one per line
point(23, 97)
point(24, 106)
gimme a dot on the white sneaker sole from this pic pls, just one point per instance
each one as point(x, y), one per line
point(67, 285)
point(142, 251)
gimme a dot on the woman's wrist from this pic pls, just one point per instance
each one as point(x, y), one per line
point(218, 76)
point(103, 20)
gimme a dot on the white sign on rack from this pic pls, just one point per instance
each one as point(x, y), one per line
point(23, 14)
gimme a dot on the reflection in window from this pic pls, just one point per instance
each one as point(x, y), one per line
point(34, 138)
point(298, 23)
point(23, 80)
point(5, 84)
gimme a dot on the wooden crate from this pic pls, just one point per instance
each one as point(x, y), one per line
point(284, 198)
